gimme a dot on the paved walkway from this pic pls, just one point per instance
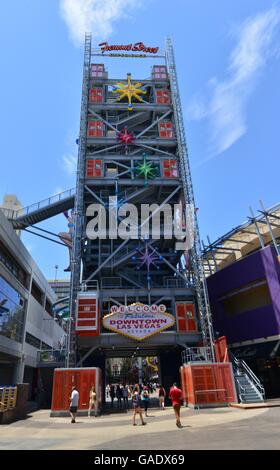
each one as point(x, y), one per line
point(219, 428)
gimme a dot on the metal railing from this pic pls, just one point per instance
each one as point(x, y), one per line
point(242, 368)
point(175, 282)
point(8, 398)
point(111, 282)
point(51, 356)
point(15, 214)
point(202, 354)
point(88, 285)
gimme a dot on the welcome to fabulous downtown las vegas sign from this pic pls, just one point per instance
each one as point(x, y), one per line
point(138, 321)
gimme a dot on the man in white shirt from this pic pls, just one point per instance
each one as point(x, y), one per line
point(74, 404)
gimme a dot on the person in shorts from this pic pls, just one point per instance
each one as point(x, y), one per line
point(161, 396)
point(175, 395)
point(74, 404)
point(145, 397)
point(92, 401)
point(136, 406)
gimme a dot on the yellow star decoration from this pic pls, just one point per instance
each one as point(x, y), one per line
point(130, 91)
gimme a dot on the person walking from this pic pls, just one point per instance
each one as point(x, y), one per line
point(107, 391)
point(119, 395)
point(175, 395)
point(92, 401)
point(161, 396)
point(136, 405)
point(112, 395)
point(145, 397)
point(74, 403)
point(125, 396)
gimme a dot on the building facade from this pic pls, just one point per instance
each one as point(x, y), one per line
point(244, 294)
point(27, 324)
point(132, 151)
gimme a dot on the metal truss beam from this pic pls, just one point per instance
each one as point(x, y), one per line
point(103, 120)
point(168, 264)
point(148, 147)
point(153, 124)
point(107, 260)
point(95, 195)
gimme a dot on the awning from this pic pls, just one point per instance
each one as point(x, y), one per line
point(266, 350)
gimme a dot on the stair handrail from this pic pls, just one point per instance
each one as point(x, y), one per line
point(43, 203)
point(241, 364)
point(254, 378)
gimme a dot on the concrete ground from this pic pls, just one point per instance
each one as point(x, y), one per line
point(218, 428)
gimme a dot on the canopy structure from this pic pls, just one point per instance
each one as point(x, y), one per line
point(259, 231)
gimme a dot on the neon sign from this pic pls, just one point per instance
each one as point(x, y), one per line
point(137, 47)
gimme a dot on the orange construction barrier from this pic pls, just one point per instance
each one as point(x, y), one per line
point(206, 385)
point(83, 379)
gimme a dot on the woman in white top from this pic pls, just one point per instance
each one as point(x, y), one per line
point(92, 401)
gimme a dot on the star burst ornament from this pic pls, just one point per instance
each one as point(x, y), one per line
point(147, 257)
point(125, 137)
point(129, 91)
point(146, 169)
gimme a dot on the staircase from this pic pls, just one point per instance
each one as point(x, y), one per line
point(41, 210)
point(248, 386)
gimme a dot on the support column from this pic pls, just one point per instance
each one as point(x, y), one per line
point(18, 372)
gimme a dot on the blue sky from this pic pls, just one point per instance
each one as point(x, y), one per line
point(228, 63)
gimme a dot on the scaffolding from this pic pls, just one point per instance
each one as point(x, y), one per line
point(257, 232)
point(109, 263)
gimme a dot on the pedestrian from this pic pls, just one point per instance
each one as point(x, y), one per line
point(74, 403)
point(125, 396)
point(145, 397)
point(136, 405)
point(119, 395)
point(107, 391)
point(92, 401)
point(161, 396)
point(112, 394)
point(175, 395)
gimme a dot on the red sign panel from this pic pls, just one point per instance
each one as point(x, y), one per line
point(87, 315)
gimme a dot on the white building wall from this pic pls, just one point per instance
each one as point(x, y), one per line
point(38, 322)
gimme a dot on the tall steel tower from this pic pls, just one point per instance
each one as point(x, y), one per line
point(132, 150)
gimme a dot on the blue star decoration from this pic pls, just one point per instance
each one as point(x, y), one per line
point(148, 258)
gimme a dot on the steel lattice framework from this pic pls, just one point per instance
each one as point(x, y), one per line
point(133, 171)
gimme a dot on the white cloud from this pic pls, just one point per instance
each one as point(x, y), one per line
point(69, 163)
point(225, 108)
point(96, 16)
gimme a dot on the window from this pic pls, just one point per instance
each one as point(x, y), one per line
point(162, 96)
point(159, 71)
point(32, 340)
point(94, 168)
point(97, 70)
point(185, 315)
point(166, 130)
point(96, 95)
point(37, 293)
point(12, 311)
point(48, 307)
point(95, 129)
point(10, 263)
point(170, 169)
